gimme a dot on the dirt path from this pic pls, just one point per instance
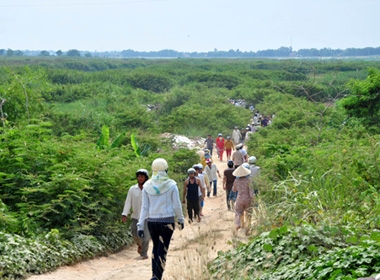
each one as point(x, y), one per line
point(190, 249)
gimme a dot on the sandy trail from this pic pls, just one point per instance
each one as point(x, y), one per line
point(190, 249)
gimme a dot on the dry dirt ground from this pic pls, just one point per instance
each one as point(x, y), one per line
point(190, 249)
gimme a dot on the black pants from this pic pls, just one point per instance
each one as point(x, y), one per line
point(193, 206)
point(161, 233)
point(228, 199)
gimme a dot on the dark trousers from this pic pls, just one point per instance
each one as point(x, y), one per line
point(192, 206)
point(228, 192)
point(161, 233)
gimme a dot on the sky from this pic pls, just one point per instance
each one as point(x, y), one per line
point(188, 25)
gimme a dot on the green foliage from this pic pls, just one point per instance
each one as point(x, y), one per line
point(303, 252)
point(73, 52)
point(21, 256)
point(21, 88)
point(153, 82)
point(182, 159)
point(346, 263)
point(364, 99)
point(135, 145)
point(104, 140)
point(213, 80)
point(208, 111)
point(7, 221)
point(319, 165)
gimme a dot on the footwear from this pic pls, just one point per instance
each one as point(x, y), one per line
point(144, 257)
point(201, 214)
point(199, 219)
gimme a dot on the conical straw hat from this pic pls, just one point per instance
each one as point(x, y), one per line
point(241, 171)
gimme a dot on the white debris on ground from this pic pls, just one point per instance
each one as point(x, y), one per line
point(180, 141)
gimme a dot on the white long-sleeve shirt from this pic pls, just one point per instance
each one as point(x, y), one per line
point(134, 202)
point(212, 172)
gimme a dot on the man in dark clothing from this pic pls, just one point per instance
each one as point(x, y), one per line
point(209, 143)
point(228, 181)
point(191, 190)
point(264, 122)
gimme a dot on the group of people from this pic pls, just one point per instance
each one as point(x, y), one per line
point(197, 185)
point(237, 137)
point(239, 180)
point(225, 145)
point(156, 205)
point(259, 120)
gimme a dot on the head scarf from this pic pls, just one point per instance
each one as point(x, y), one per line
point(159, 183)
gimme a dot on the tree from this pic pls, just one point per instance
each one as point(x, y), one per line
point(73, 53)
point(18, 53)
point(59, 53)
point(364, 100)
point(44, 53)
point(10, 52)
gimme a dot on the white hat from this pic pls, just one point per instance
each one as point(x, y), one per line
point(159, 164)
point(241, 171)
point(191, 170)
point(142, 171)
point(252, 160)
point(239, 146)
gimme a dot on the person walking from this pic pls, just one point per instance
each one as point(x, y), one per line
point(205, 178)
point(244, 152)
point(133, 202)
point(242, 185)
point(229, 147)
point(236, 135)
point(206, 155)
point(191, 189)
point(228, 181)
point(243, 133)
point(255, 173)
point(255, 170)
point(237, 156)
point(213, 174)
point(220, 146)
point(198, 174)
point(160, 206)
point(209, 143)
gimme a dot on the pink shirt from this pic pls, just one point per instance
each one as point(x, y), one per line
point(243, 186)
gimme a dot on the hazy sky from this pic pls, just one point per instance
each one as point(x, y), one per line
point(188, 25)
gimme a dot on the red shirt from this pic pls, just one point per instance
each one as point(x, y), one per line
point(220, 143)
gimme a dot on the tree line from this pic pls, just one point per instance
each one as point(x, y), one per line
point(281, 52)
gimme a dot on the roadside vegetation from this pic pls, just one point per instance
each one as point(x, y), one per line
point(74, 131)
